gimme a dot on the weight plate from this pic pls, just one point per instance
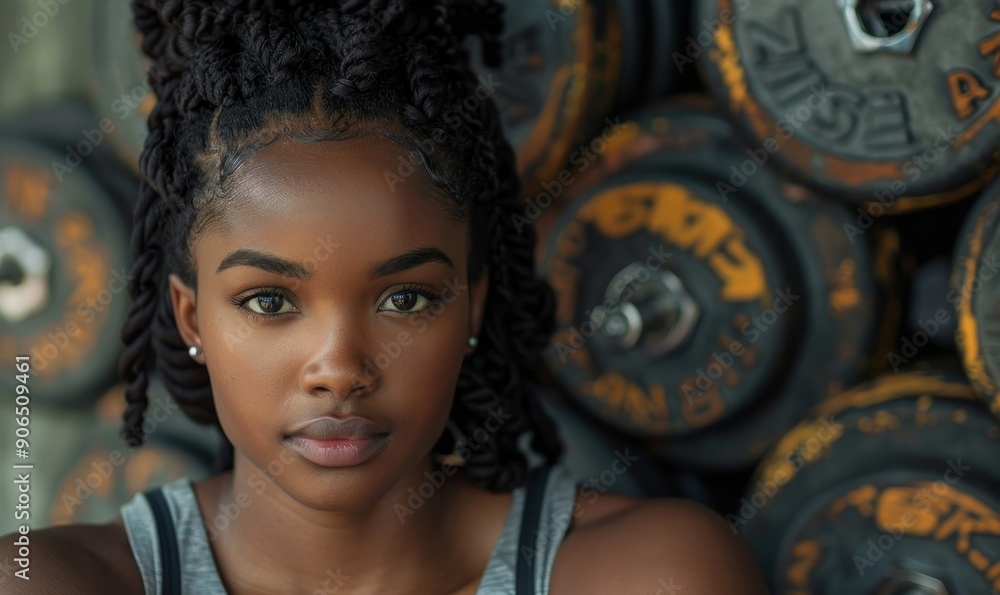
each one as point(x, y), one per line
point(64, 245)
point(120, 68)
point(554, 83)
point(747, 304)
point(975, 293)
point(894, 102)
point(886, 488)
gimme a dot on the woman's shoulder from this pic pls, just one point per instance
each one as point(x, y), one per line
point(668, 546)
point(76, 558)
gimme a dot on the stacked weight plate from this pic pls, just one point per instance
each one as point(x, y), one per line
point(887, 103)
point(567, 64)
point(701, 311)
point(64, 261)
point(975, 295)
point(890, 487)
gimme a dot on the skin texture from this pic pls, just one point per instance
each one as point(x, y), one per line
point(304, 523)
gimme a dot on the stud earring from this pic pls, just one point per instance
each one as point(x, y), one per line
point(194, 351)
point(473, 342)
point(454, 458)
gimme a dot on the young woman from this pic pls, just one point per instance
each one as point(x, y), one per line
point(327, 268)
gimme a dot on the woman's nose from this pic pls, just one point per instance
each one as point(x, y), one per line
point(335, 362)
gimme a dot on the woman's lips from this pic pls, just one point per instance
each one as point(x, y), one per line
point(338, 453)
point(338, 442)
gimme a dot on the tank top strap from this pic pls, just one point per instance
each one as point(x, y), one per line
point(540, 514)
point(157, 523)
point(169, 554)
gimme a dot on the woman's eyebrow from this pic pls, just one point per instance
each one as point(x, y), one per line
point(409, 260)
point(262, 260)
point(287, 268)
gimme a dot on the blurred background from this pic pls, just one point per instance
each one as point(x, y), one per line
point(771, 226)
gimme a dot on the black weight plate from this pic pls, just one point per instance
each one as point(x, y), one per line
point(65, 232)
point(975, 294)
point(120, 67)
point(910, 128)
point(891, 485)
point(722, 391)
point(553, 85)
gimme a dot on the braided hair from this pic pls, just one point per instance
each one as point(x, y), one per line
point(231, 76)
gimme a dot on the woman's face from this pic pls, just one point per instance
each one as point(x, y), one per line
point(329, 291)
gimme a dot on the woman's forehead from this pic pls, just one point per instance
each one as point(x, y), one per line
point(291, 191)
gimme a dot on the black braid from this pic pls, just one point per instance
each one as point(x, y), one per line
point(232, 75)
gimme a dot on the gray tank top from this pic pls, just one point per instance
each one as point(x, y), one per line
point(170, 545)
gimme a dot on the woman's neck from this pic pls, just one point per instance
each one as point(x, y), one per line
point(410, 540)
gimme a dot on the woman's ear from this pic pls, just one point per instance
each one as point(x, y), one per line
point(183, 299)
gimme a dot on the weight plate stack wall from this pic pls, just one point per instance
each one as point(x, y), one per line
point(890, 487)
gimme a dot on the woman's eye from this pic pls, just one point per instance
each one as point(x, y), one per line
point(268, 303)
point(406, 301)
